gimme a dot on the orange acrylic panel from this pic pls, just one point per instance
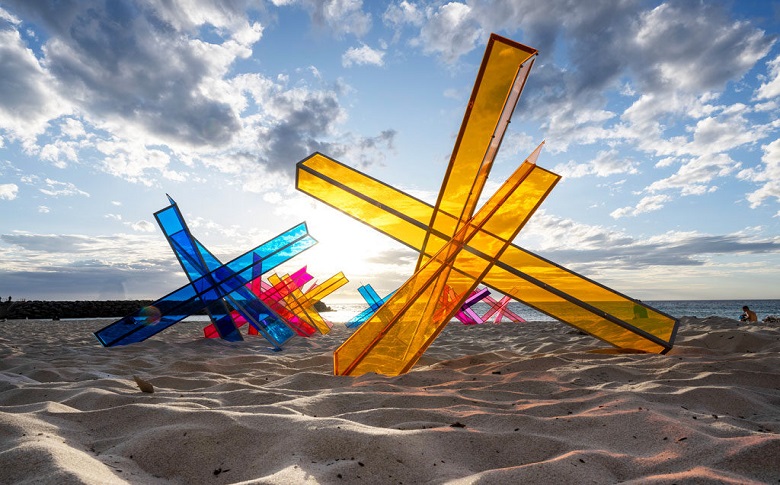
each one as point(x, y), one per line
point(500, 81)
point(527, 277)
point(394, 339)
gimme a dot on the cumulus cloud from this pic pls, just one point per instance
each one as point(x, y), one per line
point(28, 93)
point(143, 226)
point(141, 66)
point(694, 176)
point(133, 161)
point(403, 13)
point(771, 87)
point(605, 164)
point(155, 95)
point(56, 188)
point(363, 55)
point(366, 151)
point(546, 231)
point(646, 204)
point(449, 32)
point(766, 176)
point(340, 16)
point(301, 119)
point(8, 191)
point(712, 135)
point(697, 38)
point(669, 53)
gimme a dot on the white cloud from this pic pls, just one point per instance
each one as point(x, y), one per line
point(573, 122)
point(665, 162)
point(339, 16)
point(9, 18)
point(363, 55)
point(145, 72)
point(702, 151)
point(719, 134)
point(449, 32)
point(273, 198)
point(403, 13)
point(768, 176)
point(546, 232)
point(770, 88)
point(59, 153)
point(696, 38)
point(694, 175)
point(55, 188)
point(768, 106)
point(42, 209)
point(28, 94)
point(133, 161)
point(143, 226)
point(187, 15)
point(646, 204)
point(8, 191)
point(605, 164)
point(73, 128)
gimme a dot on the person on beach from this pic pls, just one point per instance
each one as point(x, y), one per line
point(748, 315)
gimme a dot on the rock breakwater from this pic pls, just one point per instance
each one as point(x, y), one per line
point(36, 309)
point(13, 310)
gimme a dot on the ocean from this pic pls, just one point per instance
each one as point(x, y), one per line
point(342, 312)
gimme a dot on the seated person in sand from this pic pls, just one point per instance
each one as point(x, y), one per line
point(748, 315)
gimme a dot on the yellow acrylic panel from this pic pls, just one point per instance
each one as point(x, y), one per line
point(299, 304)
point(327, 287)
point(500, 81)
point(406, 221)
point(537, 282)
point(394, 339)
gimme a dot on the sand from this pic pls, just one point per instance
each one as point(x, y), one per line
point(510, 403)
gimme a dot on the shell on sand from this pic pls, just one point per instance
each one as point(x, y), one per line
point(144, 386)
point(509, 403)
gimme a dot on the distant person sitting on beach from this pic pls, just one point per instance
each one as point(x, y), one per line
point(748, 315)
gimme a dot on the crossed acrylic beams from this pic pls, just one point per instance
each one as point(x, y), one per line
point(288, 299)
point(465, 314)
point(460, 249)
point(232, 294)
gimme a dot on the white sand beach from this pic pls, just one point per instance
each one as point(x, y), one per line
point(512, 403)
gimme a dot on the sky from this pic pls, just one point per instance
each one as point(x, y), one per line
point(661, 118)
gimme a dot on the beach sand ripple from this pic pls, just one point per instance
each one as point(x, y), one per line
point(536, 402)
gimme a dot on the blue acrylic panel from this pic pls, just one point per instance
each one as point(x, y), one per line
point(374, 302)
point(199, 262)
point(187, 300)
point(370, 295)
point(194, 263)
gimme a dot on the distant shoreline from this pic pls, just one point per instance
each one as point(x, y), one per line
point(39, 309)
